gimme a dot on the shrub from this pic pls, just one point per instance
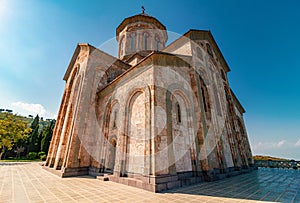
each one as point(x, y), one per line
point(43, 157)
point(41, 154)
point(32, 155)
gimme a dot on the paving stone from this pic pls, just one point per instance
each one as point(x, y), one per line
point(31, 183)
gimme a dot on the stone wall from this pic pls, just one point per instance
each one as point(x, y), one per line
point(169, 121)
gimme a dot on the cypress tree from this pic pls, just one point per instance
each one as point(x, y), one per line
point(47, 135)
point(33, 138)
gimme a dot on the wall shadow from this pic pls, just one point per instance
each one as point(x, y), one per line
point(264, 184)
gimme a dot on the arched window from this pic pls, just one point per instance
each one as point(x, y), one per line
point(121, 46)
point(205, 95)
point(115, 119)
point(132, 41)
point(178, 112)
point(209, 51)
point(146, 36)
point(156, 43)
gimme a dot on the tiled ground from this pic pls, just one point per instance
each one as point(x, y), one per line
point(28, 182)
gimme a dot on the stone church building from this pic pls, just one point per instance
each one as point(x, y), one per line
point(156, 117)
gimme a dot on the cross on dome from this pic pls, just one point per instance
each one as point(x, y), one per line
point(143, 9)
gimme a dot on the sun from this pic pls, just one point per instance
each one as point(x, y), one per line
point(3, 9)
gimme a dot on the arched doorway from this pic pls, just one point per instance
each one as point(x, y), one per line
point(111, 155)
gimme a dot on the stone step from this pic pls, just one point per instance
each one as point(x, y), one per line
point(102, 178)
point(107, 175)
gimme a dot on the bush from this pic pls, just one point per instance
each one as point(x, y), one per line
point(32, 155)
point(43, 157)
point(41, 154)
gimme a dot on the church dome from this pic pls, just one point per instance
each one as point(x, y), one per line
point(140, 33)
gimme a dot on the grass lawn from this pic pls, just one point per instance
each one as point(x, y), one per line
point(20, 160)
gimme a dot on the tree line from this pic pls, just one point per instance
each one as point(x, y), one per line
point(24, 138)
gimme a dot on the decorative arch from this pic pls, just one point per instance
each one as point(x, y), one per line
point(146, 37)
point(178, 112)
point(209, 50)
point(121, 46)
point(74, 95)
point(136, 128)
point(202, 72)
point(73, 74)
point(109, 132)
point(57, 134)
point(182, 155)
point(71, 114)
point(205, 98)
point(157, 42)
point(182, 134)
point(132, 41)
point(111, 153)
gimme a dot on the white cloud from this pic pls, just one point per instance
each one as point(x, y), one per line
point(281, 143)
point(33, 109)
point(269, 145)
point(297, 144)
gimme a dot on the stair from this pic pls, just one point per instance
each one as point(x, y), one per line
point(103, 177)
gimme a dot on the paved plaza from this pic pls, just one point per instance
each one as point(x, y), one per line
point(28, 182)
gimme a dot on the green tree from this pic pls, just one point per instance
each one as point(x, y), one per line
point(47, 135)
point(12, 129)
point(33, 139)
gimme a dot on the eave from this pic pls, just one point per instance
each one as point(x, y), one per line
point(237, 102)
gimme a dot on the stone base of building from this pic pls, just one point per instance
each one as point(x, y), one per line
point(68, 172)
point(155, 183)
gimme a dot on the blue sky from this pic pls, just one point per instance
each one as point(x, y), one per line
point(259, 40)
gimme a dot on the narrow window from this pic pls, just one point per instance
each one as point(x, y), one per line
point(115, 119)
point(209, 51)
point(121, 46)
point(157, 43)
point(178, 113)
point(146, 36)
point(204, 99)
point(204, 95)
point(132, 42)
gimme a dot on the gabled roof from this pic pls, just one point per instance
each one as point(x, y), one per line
point(88, 47)
point(73, 59)
point(201, 35)
point(206, 35)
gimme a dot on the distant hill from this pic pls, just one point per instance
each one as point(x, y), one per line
point(260, 157)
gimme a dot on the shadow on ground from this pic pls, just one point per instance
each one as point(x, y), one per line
point(265, 184)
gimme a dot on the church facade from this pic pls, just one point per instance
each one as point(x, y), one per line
point(156, 117)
